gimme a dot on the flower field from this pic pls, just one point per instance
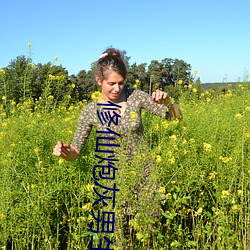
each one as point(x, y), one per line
point(202, 165)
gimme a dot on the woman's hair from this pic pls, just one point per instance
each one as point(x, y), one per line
point(110, 60)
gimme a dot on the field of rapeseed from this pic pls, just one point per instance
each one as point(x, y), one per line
point(202, 164)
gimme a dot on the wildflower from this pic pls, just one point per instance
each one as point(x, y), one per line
point(50, 97)
point(158, 159)
point(239, 192)
point(2, 72)
point(190, 86)
point(33, 66)
point(247, 135)
point(191, 140)
point(194, 90)
point(198, 212)
point(172, 182)
point(2, 217)
point(173, 137)
point(171, 160)
point(238, 116)
point(37, 149)
point(207, 147)
point(90, 187)
point(184, 141)
point(133, 173)
point(60, 161)
point(168, 196)
point(180, 82)
point(175, 122)
point(56, 58)
point(137, 80)
point(3, 97)
point(212, 175)
point(164, 124)
point(135, 86)
point(96, 96)
point(225, 193)
point(72, 85)
point(225, 159)
point(13, 103)
point(133, 116)
point(29, 44)
point(162, 190)
point(156, 127)
point(195, 71)
point(51, 77)
point(33, 186)
point(235, 207)
point(247, 108)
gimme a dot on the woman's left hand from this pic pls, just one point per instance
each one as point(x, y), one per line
point(161, 97)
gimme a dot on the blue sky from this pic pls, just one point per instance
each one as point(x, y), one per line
point(212, 36)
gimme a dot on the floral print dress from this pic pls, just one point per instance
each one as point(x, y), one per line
point(129, 125)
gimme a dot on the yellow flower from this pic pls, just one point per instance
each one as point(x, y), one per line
point(225, 193)
point(133, 116)
point(2, 217)
point(238, 116)
point(89, 187)
point(33, 186)
point(212, 175)
point(73, 85)
point(239, 192)
point(37, 149)
point(96, 96)
point(207, 147)
point(247, 108)
point(198, 212)
point(195, 71)
point(137, 81)
point(2, 72)
point(56, 58)
point(180, 82)
point(29, 44)
point(235, 207)
point(135, 86)
point(168, 196)
point(164, 124)
point(171, 160)
point(173, 137)
point(162, 190)
point(194, 90)
point(158, 159)
point(3, 97)
point(225, 159)
point(190, 86)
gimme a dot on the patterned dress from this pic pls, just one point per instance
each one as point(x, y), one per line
point(130, 125)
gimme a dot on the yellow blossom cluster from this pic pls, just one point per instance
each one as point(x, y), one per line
point(96, 96)
point(56, 78)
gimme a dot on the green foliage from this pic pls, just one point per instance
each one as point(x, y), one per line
point(200, 165)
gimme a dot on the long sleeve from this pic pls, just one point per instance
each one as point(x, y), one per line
point(84, 127)
point(151, 106)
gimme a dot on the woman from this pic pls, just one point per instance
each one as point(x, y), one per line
point(110, 74)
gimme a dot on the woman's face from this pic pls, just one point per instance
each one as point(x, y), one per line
point(112, 86)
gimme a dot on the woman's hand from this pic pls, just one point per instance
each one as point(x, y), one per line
point(65, 151)
point(161, 97)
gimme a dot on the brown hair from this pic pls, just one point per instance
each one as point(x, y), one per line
point(110, 60)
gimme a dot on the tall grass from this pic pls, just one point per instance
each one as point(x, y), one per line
point(202, 168)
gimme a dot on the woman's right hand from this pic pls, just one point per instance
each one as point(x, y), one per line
point(66, 151)
point(61, 149)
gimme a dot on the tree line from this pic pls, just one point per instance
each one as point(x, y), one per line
point(22, 79)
